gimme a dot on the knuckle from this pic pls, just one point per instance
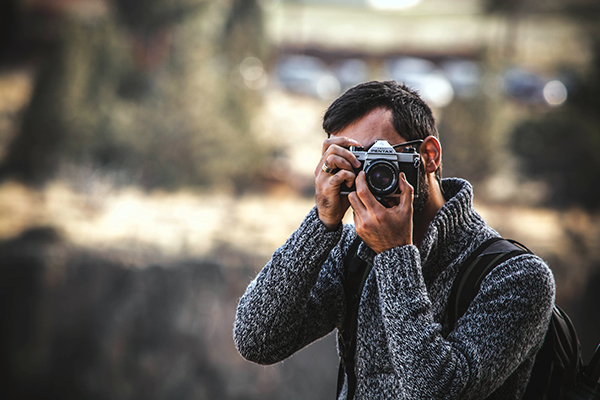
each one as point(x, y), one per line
point(328, 145)
point(362, 191)
point(378, 218)
point(367, 226)
point(359, 230)
point(330, 140)
point(334, 180)
point(352, 199)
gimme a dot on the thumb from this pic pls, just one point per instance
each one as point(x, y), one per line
point(406, 190)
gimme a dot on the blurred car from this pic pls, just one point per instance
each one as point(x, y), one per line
point(524, 85)
point(529, 87)
point(350, 72)
point(306, 75)
point(423, 76)
point(464, 76)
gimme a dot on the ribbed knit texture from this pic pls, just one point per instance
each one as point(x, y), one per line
point(404, 347)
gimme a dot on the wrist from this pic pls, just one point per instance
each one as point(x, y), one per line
point(331, 226)
point(329, 223)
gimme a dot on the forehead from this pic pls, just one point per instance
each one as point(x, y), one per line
point(376, 125)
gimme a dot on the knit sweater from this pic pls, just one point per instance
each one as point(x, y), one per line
point(405, 349)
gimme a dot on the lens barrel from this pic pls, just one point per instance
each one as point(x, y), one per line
point(382, 177)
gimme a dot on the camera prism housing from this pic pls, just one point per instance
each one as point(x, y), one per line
point(382, 165)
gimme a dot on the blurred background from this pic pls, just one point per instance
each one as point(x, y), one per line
point(153, 154)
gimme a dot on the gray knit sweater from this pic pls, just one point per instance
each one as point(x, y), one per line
point(404, 347)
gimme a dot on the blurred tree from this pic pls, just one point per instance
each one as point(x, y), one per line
point(150, 15)
point(562, 150)
point(9, 11)
point(141, 94)
point(561, 147)
point(468, 150)
point(242, 38)
point(511, 11)
point(473, 130)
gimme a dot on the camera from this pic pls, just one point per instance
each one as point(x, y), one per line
point(382, 165)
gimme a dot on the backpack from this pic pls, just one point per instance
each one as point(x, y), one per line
point(557, 373)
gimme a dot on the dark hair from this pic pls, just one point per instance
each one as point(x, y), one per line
point(411, 116)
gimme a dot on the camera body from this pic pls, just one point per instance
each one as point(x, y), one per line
point(382, 166)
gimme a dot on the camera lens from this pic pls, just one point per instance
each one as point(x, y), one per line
point(382, 178)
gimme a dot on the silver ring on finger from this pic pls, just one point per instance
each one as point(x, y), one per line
point(330, 171)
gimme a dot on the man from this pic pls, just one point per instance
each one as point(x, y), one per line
point(405, 348)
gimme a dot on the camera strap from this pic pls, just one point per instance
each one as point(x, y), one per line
point(355, 274)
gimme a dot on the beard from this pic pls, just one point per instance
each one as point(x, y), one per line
point(420, 202)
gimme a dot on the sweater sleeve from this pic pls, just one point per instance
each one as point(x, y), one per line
point(294, 300)
point(503, 326)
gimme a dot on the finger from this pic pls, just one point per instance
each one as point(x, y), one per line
point(359, 212)
point(332, 182)
point(340, 177)
point(344, 153)
point(406, 191)
point(365, 195)
point(341, 141)
point(338, 157)
point(356, 203)
point(337, 161)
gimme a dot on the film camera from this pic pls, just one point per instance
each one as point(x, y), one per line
point(382, 165)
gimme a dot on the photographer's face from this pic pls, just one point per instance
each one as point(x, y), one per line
point(377, 125)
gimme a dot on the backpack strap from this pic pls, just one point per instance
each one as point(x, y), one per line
point(355, 275)
point(592, 370)
point(557, 362)
point(471, 273)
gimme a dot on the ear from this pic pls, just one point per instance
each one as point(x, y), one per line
point(431, 154)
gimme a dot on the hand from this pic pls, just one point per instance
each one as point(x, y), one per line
point(379, 227)
point(331, 206)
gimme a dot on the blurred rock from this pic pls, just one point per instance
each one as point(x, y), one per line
point(79, 324)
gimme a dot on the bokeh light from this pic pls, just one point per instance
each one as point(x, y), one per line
point(555, 93)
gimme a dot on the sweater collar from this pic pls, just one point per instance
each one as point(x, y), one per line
point(450, 232)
